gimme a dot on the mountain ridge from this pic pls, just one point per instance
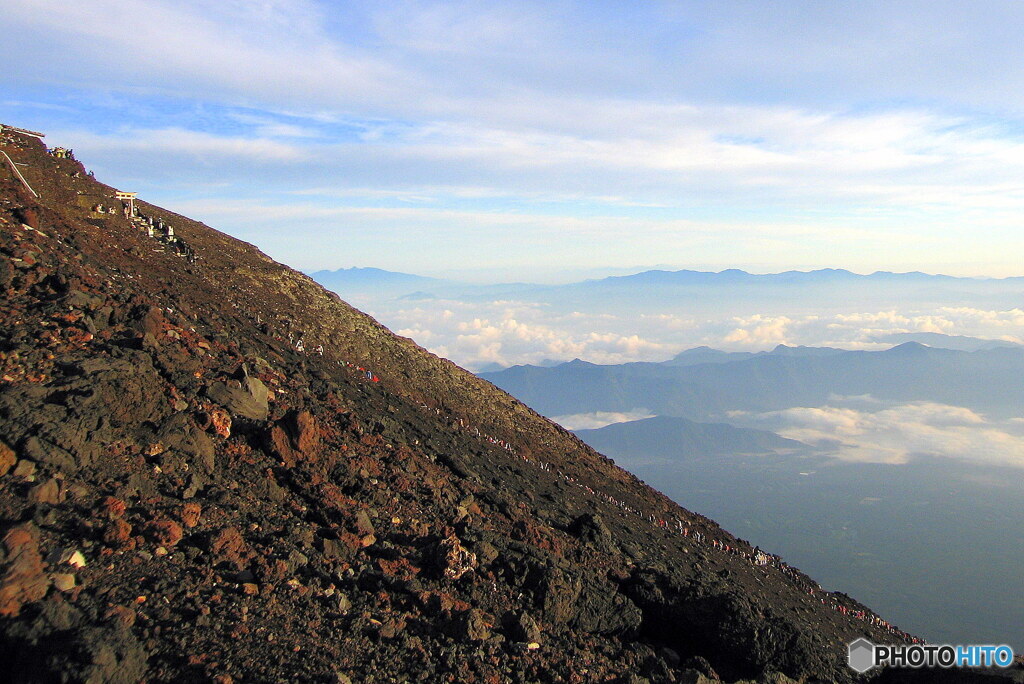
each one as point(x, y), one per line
point(212, 468)
point(759, 382)
point(372, 275)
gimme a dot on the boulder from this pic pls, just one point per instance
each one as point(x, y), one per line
point(23, 579)
point(296, 437)
point(521, 627)
point(248, 401)
point(590, 529)
point(7, 459)
point(472, 625)
point(180, 432)
point(49, 492)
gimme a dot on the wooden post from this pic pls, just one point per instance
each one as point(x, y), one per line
point(14, 168)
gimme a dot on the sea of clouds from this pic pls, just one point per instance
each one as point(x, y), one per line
point(485, 334)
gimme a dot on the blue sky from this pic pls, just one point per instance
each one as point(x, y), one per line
point(519, 140)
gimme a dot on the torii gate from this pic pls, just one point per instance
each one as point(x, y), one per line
point(127, 197)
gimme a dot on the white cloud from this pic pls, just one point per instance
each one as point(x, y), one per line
point(599, 419)
point(759, 331)
point(235, 51)
point(178, 141)
point(898, 434)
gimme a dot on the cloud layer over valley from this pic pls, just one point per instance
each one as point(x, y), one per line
point(484, 333)
point(897, 434)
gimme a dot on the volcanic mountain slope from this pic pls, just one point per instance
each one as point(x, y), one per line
point(212, 468)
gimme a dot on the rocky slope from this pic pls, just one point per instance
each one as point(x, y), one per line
point(213, 469)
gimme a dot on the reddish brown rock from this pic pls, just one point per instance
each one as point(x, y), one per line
point(281, 445)
point(7, 459)
point(23, 580)
point(152, 323)
point(164, 532)
point(472, 625)
point(190, 514)
point(392, 628)
point(63, 581)
point(307, 435)
point(296, 437)
point(229, 546)
point(117, 533)
point(112, 507)
point(363, 524)
point(121, 616)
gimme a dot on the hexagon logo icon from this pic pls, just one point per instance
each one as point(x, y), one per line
point(861, 655)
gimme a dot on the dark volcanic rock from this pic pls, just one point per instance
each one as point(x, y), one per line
point(180, 432)
point(522, 627)
point(590, 528)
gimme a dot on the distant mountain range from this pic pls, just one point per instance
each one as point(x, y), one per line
point(958, 342)
point(731, 276)
point(702, 294)
point(700, 355)
point(369, 279)
point(737, 276)
point(783, 378)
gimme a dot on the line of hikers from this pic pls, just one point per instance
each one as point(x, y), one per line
point(162, 232)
